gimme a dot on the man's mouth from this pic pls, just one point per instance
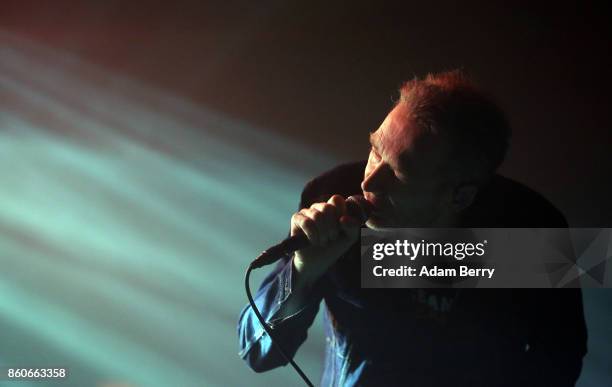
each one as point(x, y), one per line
point(379, 204)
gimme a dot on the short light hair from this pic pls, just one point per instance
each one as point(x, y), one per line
point(450, 103)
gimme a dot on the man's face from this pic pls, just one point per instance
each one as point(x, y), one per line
point(406, 175)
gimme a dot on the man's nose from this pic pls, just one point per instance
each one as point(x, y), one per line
point(377, 180)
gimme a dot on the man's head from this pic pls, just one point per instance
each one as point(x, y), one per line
point(441, 141)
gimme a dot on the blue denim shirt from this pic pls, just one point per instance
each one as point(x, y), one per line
point(419, 337)
point(406, 337)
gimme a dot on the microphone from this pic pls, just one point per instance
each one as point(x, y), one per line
point(356, 206)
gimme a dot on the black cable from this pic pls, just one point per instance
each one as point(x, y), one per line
point(268, 330)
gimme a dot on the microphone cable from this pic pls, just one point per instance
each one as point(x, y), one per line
point(356, 206)
point(268, 329)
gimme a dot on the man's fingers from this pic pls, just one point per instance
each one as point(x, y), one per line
point(327, 222)
point(326, 208)
point(324, 222)
point(302, 222)
point(339, 203)
point(330, 233)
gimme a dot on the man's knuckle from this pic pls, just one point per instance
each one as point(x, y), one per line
point(307, 223)
point(327, 208)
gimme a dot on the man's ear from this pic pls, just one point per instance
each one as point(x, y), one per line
point(463, 196)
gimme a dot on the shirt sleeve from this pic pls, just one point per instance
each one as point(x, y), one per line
point(256, 347)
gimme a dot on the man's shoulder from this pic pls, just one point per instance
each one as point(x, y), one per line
point(507, 203)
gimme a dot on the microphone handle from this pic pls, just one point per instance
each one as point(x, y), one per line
point(356, 206)
point(274, 253)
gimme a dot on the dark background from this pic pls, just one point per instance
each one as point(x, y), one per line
point(324, 74)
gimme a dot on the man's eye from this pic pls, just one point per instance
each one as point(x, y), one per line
point(375, 156)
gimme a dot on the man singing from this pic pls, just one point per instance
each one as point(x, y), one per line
point(432, 163)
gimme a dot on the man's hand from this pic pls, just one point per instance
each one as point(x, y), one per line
point(330, 231)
